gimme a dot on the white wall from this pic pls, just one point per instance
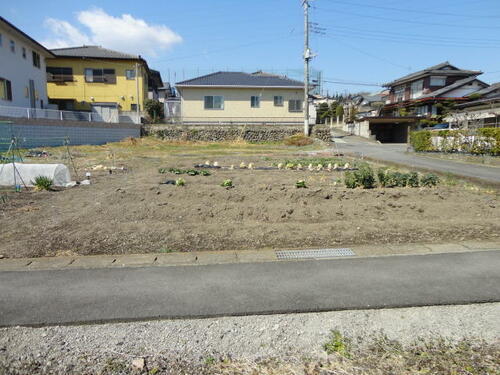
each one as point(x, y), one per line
point(464, 90)
point(19, 70)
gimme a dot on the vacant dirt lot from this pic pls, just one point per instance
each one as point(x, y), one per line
point(131, 212)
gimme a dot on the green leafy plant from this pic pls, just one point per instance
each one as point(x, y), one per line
point(227, 183)
point(429, 180)
point(162, 170)
point(210, 360)
point(350, 180)
point(365, 177)
point(413, 179)
point(180, 182)
point(401, 179)
point(154, 109)
point(338, 344)
point(175, 171)
point(42, 183)
point(382, 176)
point(192, 172)
point(205, 173)
point(421, 140)
point(300, 184)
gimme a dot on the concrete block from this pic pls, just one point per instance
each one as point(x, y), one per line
point(18, 264)
point(90, 261)
point(447, 247)
point(175, 259)
point(255, 256)
point(50, 263)
point(134, 260)
point(215, 257)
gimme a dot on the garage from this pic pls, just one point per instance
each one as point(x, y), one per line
point(390, 129)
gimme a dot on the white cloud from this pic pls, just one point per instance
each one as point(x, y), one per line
point(124, 33)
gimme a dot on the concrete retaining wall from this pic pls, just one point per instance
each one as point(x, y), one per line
point(216, 133)
point(45, 133)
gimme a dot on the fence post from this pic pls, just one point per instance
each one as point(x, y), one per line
point(90, 116)
point(61, 115)
point(28, 112)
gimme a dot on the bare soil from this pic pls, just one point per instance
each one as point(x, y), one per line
point(131, 212)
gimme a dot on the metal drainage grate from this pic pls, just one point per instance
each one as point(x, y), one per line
point(314, 253)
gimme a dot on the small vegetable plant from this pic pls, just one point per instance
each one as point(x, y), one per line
point(205, 173)
point(42, 183)
point(300, 184)
point(227, 183)
point(429, 180)
point(365, 177)
point(180, 182)
point(413, 179)
point(350, 180)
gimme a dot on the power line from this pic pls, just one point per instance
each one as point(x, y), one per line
point(390, 62)
point(226, 48)
point(407, 21)
point(354, 83)
point(396, 39)
point(421, 36)
point(413, 10)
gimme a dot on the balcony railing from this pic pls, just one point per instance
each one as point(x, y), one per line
point(59, 77)
point(50, 114)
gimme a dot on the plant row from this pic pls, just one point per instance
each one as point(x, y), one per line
point(190, 172)
point(365, 177)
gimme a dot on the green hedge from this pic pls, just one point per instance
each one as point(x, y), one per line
point(485, 141)
point(421, 140)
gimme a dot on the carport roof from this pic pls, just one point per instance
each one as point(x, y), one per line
point(390, 119)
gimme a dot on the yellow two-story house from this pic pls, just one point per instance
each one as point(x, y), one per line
point(92, 78)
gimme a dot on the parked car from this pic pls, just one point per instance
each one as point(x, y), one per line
point(440, 127)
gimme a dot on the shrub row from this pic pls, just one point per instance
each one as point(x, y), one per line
point(480, 141)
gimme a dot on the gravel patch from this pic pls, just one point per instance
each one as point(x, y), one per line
point(99, 348)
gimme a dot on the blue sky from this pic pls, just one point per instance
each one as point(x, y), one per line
point(365, 41)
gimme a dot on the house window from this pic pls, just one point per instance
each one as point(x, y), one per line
point(36, 60)
point(278, 101)
point(58, 74)
point(399, 93)
point(5, 89)
point(255, 101)
point(422, 110)
point(133, 107)
point(214, 102)
point(24, 53)
point(12, 46)
point(130, 73)
point(295, 105)
point(438, 81)
point(100, 75)
point(416, 89)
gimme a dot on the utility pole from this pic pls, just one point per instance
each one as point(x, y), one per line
point(137, 92)
point(307, 56)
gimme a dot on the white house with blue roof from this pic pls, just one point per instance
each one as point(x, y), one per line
point(241, 98)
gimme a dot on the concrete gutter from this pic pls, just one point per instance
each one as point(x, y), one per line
point(225, 257)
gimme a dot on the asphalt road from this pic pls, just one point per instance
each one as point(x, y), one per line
point(396, 153)
point(98, 295)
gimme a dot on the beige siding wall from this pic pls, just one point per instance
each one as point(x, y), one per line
point(237, 104)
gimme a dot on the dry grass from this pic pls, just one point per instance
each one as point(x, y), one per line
point(298, 140)
point(381, 357)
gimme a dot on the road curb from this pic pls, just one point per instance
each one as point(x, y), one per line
point(227, 256)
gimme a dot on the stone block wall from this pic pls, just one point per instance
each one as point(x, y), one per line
point(220, 133)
